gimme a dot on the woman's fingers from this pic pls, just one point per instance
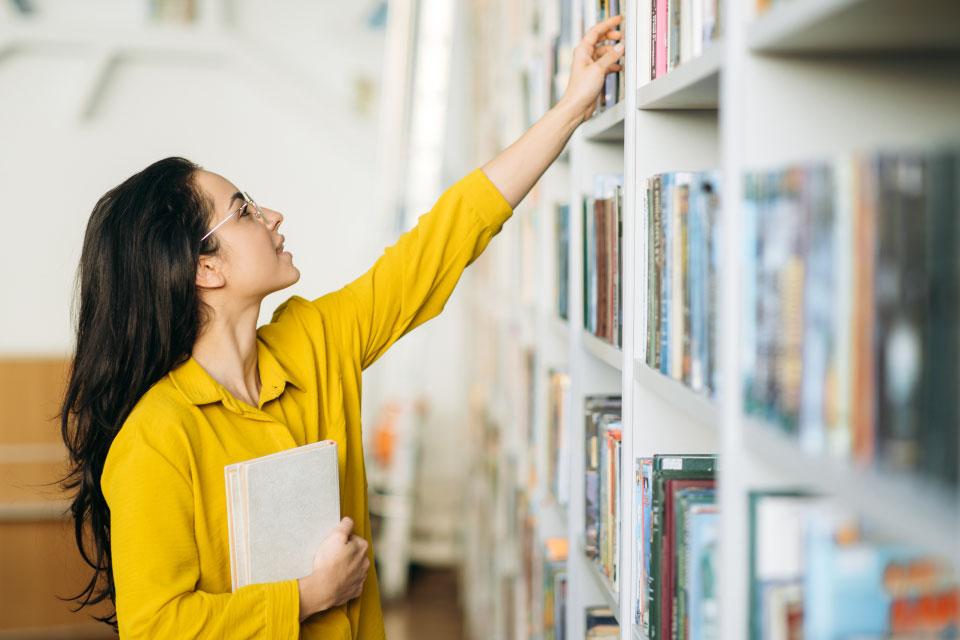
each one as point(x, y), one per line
point(595, 34)
point(610, 58)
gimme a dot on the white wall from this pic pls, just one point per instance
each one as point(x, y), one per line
point(293, 130)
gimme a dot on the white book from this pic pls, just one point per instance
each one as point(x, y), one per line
point(280, 507)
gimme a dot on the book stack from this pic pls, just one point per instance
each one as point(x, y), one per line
point(601, 623)
point(603, 259)
point(817, 572)
point(680, 30)
point(554, 588)
point(563, 261)
point(682, 211)
point(677, 529)
point(602, 484)
point(558, 459)
point(851, 308)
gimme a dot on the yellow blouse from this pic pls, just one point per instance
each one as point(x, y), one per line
point(163, 477)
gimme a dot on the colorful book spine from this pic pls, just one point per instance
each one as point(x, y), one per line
point(851, 337)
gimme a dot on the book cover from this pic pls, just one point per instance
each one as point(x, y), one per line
point(280, 507)
point(702, 573)
point(668, 551)
point(646, 541)
point(663, 25)
point(685, 500)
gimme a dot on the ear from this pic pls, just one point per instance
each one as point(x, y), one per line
point(209, 273)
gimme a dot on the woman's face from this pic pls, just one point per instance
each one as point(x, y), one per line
point(252, 261)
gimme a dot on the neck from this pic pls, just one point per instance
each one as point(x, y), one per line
point(227, 350)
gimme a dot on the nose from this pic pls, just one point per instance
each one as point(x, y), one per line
point(274, 218)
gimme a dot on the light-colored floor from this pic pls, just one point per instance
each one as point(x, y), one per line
point(431, 609)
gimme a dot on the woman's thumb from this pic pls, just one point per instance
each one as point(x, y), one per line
point(346, 526)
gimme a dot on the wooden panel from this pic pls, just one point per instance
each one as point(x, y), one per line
point(31, 481)
point(30, 394)
point(40, 561)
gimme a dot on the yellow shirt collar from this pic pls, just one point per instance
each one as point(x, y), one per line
point(199, 387)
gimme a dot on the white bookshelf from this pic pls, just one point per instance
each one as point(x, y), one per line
point(692, 85)
point(828, 26)
point(807, 80)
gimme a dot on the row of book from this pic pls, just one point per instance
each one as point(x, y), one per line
point(677, 529)
point(603, 259)
point(681, 30)
point(817, 572)
point(682, 213)
point(603, 436)
point(851, 314)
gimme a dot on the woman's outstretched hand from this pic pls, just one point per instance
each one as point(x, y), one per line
point(518, 167)
point(593, 59)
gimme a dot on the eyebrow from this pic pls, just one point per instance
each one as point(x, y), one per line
point(236, 196)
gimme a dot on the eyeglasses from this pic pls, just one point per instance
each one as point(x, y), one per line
point(247, 200)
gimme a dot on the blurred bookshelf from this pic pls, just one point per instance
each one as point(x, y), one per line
point(646, 291)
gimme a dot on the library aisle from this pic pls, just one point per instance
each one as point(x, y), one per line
point(717, 350)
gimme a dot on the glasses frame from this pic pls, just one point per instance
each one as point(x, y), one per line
point(247, 200)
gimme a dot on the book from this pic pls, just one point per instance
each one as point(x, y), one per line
point(686, 501)
point(280, 507)
point(702, 578)
point(644, 494)
point(563, 261)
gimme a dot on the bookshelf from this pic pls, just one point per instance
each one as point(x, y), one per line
point(806, 80)
point(692, 85)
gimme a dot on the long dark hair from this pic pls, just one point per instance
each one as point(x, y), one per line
point(139, 317)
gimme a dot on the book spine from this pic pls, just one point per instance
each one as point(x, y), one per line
point(661, 44)
point(653, 39)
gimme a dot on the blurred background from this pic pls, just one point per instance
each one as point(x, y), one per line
point(350, 118)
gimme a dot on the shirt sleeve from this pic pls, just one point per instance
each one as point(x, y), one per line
point(156, 563)
point(413, 279)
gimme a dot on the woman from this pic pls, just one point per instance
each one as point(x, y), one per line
point(172, 380)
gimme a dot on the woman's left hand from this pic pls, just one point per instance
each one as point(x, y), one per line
point(592, 61)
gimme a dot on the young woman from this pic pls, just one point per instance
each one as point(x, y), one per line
point(172, 379)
